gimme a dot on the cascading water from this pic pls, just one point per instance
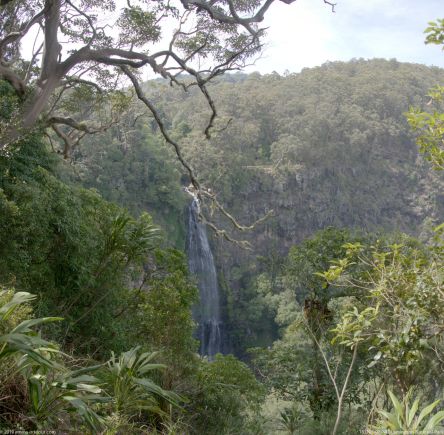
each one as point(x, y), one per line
point(201, 265)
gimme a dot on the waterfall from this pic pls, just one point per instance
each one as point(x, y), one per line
point(201, 265)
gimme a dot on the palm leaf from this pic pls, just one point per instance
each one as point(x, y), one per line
point(26, 325)
point(434, 421)
point(427, 410)
point(17, 299)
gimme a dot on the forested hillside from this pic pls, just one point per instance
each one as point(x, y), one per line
point(329, 146)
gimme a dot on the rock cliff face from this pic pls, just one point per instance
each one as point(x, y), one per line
point(398, 201)
point(405, 197)
point(327, 147)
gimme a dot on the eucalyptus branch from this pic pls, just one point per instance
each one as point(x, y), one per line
point(330, 4)
point(141, 96)
point(244, 244)
point(35, 53)
point(24, 28)
point(69, 141)
point(82, 126)
point(231, 218)
point(80, 81)
point(65, 138)
point(88, 19)
point(14, 79)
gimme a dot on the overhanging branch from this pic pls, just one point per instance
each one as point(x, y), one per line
point(199, 192)
point(24, 28)
point(141, 96)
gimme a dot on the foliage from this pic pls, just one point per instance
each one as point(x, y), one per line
point(351, 112)
point(132, 392)
point(59, 396)
point(326, 147)
point(129, 165)
point(225, 390)
point(53, 391)
point(430, 129)
point(291, 419)
point(307, 308)
point(435, 32)
point(219, 38)
point(279, 132)
point(398, 311)
point(68, 245)
point(430, 126)
point(379, 298)
point(405, 417)
point(20, 338)
point(164, 316)
point(116, 288)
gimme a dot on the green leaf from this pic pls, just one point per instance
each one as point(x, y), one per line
point(391, 420)
point(427, 410)
point(434, 421)
point(25, 326)
point(17, 299)
point(412, 412)
point(396, 404)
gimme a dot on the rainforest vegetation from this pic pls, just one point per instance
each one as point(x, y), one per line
point(321, 192)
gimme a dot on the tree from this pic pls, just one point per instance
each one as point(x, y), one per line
point(396, 316)
point(227, 392)
point(77, 47)
point(75, 43)
point(303, 365)
point(83, 50)
point(430, 126)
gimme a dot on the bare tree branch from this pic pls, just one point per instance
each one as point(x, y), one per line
point(24, 28)
point(35, 54)
point(234, 222)
point(89, 20)
point(326, 2)
point(161, 125)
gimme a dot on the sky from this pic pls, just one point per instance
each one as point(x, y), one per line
point(306, 33)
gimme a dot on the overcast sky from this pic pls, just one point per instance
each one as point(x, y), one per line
point(306, 33)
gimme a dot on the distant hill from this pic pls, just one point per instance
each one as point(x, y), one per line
point(325, 147)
